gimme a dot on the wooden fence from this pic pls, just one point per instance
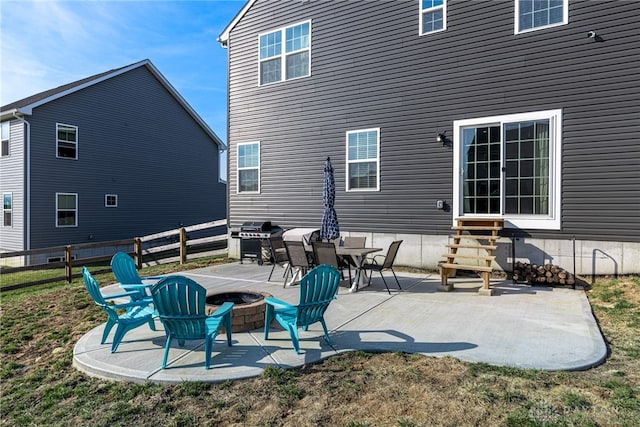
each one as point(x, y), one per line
point(146, 250)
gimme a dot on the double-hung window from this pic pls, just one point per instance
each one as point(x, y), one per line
point(363, 160)
point(509, 167)
point(67, 141)
point(433, 16)
point(7, 209)
point(534, 14)
point(6, 138)
point(285, 54)
point(66, 210)
point(249, 167)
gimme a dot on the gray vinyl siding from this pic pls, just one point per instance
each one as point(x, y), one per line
point(12, 174)
point(370, 69)
point(135, 141)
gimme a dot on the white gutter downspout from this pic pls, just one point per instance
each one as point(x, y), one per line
point(27, 195)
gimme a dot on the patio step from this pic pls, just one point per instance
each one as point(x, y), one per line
point(490, 227)
point(470, 256)
point(460, 246)
point(476, 228)
point(454, 266)
point(473, 237)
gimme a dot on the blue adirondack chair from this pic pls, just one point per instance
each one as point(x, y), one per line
point(317, 289)
point(124, 269)
point(138, 312)
point(180, 303)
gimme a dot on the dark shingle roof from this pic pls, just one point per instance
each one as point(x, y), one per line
point(51, 92)
point(43, 97)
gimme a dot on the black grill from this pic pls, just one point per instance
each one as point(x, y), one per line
point(254, 237)
point(256, 229)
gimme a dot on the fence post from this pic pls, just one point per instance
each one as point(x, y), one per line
point(183, 245)
point(68, 268)
point(137, 249)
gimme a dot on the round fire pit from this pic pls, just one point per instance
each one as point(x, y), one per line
point(248, 308)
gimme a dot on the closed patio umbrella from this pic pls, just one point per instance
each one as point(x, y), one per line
point(329, 228)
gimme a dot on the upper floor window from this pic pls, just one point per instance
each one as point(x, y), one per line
point(111, 200)
point(534, 14)
point(509, 167)
point(66, 210)
point(249, 167)
point(287, 49)
point(6, 138)
point(7, 209)
point(363, 159)
point(67, 141)
point(433, 16)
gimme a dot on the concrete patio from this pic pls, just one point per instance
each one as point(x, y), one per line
point(519, 326)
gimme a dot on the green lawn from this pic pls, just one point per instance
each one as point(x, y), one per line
point(40, 387)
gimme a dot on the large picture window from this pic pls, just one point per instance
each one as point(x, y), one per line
point(535, 14)
point(7, 209)
point(67, 141)
point(66, 210)
point(285, 53)
point(363, 160)
point(433, 16)
point(509, 166)
point(249, 167)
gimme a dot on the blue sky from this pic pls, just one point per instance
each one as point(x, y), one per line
point(45, 44)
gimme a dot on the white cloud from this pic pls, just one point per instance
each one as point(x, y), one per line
point(40, 44)
point(45, 44)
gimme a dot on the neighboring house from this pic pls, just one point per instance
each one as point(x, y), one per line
point(113, 156)
point(516, 109)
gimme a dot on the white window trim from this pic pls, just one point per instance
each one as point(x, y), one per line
point(5, 210)
point(106, 196)
point(421, 14)
point(565, 19)
point(347, 161)
point(77, 141)
point(550, 222)
point(8, 139)
point(238, 168)
point(283, 54)
point(76, 210)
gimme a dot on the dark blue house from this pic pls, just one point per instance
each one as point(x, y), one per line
point(113, 156)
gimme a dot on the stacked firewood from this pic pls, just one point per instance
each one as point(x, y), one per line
point(547, 274)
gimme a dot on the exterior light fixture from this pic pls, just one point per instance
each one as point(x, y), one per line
point(442, 138)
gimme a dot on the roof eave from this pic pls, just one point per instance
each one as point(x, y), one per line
point(28, 109)
point(14, 112)
point(186, 106)
point(223, 38)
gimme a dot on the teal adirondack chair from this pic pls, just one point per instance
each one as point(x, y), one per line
point(180, 303)
point(317, 289)
point(124, 269)
point(138, 312)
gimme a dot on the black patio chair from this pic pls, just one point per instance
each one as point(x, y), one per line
point(348, 262)
point(325, 253)
point(279, 255)
point(387, 264)
point(298, 260)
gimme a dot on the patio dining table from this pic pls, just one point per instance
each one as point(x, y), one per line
point(358, 256)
